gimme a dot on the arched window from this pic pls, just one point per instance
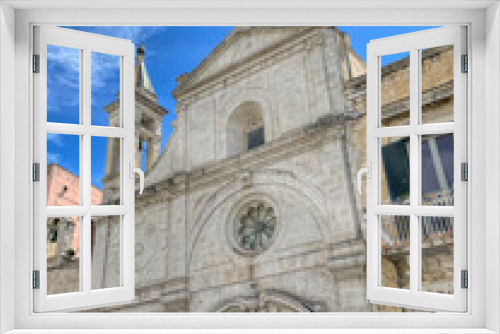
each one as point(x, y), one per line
point(245, 128)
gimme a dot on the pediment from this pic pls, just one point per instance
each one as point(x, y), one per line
point(240, 45)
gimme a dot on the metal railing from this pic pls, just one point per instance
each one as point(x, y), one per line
point(396, 229)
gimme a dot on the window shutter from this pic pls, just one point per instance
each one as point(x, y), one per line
point(397, 169)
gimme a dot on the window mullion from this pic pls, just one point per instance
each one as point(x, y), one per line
point(85, 160)
point(86, 138)
point(85, 254)
point(66, 211)
point(414, 169)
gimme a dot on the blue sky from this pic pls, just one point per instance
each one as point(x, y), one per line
point(170, 52)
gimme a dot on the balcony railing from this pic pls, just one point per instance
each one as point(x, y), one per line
point(396, 229)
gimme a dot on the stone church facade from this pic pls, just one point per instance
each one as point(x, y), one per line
point(252, 206)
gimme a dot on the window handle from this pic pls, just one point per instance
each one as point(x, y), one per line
point(139, 171)
point(368, 171)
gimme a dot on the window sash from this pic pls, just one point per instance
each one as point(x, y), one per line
point(414, 298)
point(86, 43)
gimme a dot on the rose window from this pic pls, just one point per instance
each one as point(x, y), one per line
point(255, 228)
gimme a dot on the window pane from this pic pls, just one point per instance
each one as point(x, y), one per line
point(437, 85)
point(437, 254)
point(395, 89)
point(445, 144)
point(437, 170)
point(63, 85)
point(395, 179)
point(105, 89)
point(63, 170)
point(63, 265)
point(255, 138)
point(106, 252)
point(395, 251)
point(106, 161)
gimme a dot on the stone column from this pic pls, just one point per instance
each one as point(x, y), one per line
point(176, 295)
point(99, 252)
point(112, 157)
point(334, 71)
point(109, 158)
point(138, 152)
point(113, 151)
point(65, 235)
point(153, 152)
point(112, 264)
point(177, 257)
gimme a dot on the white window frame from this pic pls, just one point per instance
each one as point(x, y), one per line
point(414, 43)
point(85, 43)
point(482, 316)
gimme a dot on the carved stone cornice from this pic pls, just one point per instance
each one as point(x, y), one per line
point(161, 292)
point(301, 140)
point(316, 41)
point(430, 96)
point(346, 258)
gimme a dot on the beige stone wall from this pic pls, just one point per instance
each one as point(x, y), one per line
point(63, 278)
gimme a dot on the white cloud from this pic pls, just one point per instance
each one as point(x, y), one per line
point(53, 158)
point(64, 80)
point(55, 138)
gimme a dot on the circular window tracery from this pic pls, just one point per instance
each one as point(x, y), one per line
point(255, 227)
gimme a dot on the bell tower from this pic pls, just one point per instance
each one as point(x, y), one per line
point(148, 118)
point(148, 115)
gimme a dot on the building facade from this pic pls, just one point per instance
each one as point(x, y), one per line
point(63, 233)
point(252, 206)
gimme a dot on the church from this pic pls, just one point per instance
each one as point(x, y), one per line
point(252, 206)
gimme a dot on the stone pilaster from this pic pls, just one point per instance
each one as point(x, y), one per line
point(348, 266)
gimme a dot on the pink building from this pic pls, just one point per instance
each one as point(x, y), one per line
point(63, 189)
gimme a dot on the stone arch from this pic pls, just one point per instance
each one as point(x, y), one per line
point(268, 301)
point(247, 184)
point(247, 118)
point(257, 97)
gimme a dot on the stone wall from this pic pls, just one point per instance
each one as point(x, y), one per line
point(63, 278)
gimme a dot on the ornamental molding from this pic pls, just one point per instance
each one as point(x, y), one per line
point(325, 129)
point(313, 198)
point(268, 300)
point(294, 142)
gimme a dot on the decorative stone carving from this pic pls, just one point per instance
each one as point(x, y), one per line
point(268, 301)
point(254, 228)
